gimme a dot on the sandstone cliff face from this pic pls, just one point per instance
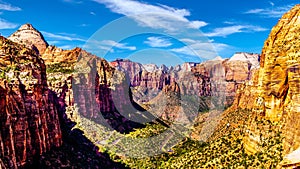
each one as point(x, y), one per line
point(194, 79)
point(28, 109)
point(279, 73)
point(204, 86)
point(90, 86)
point(146, 82)
point(222, 77)
point(31, 37)
point(275, 88)
point(247, 92)
point(60, 67)
point(280, 76)
point(54, 55)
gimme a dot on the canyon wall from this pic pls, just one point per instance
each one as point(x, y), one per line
point(273, 93)
point(200, 79)
point(29, 115)
point(119, 85)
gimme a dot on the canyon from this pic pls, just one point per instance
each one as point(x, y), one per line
point(43, 86)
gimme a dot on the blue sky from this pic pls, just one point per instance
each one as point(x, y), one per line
point(184, 28)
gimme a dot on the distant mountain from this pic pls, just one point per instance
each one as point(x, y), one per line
point(247, 57)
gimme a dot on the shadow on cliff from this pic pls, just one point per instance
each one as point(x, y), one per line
point(76, 152)
point(107, 104)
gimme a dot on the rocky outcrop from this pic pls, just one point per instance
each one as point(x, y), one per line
point(29, 118)
point(54, 55)
point(274, 93)
point(60, 67)
point(30, 37)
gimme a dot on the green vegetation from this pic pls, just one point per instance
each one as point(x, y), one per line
point(148, 131)
point(16, 58)
point(9, 69)
point(60, 67)
point(225, 150)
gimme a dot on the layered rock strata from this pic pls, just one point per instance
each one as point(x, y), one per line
point(30, 37)
point(273, 94)
point(29, 114)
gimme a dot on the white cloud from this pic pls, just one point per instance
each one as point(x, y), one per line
point(185, 50)
point(118, 45)
point(254, 11)
point(154, 16)
point(207, 50)
point(158, 42)
point(7, 25)
point(228, 30)
point(229, 22)
point(107, 45)
point(61, 36)
point(93, 13)
point(8, 7)
point(274, 12)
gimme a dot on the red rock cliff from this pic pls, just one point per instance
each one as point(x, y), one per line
point(28, 111)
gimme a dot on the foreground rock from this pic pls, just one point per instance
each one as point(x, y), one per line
point(29, 115)
point(275, 88)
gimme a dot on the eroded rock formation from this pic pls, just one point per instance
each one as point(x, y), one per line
point(211, 78)
point(273, 93)
point(91, 87)
point(30, 37)
point(29, 115)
